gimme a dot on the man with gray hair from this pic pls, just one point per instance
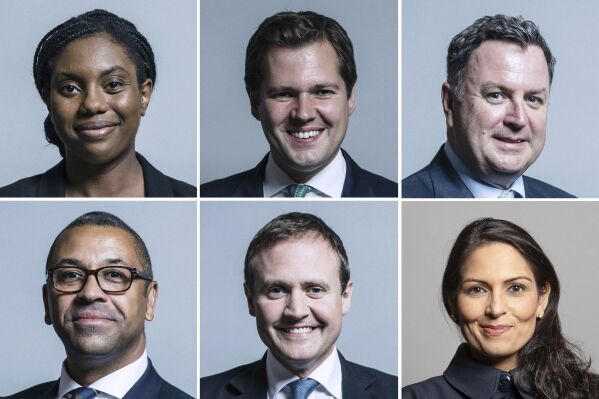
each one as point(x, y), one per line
point(495, 100)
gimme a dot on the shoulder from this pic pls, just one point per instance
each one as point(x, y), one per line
point(226, 187)
point(363, 183)
point(359, 379)
point(539, 189)
point(151, 385)
point(157, 184)
point(436, 387)
point(41, 391)
point(380, 376)
point(26, 187)
point(223, 383)
point(418, 185)
point(182, 189)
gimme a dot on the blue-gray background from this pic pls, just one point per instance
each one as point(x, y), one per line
point(569, 159)
point(567, 232)
point(31, 351)
point(167, 134)
point(228, 336)
point(231, 140)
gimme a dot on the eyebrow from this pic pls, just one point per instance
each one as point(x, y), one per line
point(318, 86)
point(311, 283)
point(490, 86)
point(77, 263)
point(109, 71)
point(474, 280)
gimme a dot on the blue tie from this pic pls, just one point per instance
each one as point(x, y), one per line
point(301, 389)
point(299, 190)
point(81, 393)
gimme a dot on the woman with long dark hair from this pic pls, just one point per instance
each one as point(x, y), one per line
point(502, 291)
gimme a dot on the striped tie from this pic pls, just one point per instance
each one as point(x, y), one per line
point(301, 389)
point(81, 393)
point(299, 190)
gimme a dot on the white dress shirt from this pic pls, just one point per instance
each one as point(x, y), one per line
point(328, 375)
point(477, 188)
point(327, 183)
point(114, 385)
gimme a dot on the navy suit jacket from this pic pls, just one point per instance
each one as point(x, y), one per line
point(249, 382)
point(149, 386)
point(53, 183)
point(440, 180)
point(358, 183)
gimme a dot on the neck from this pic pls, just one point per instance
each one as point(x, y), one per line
point(303, 369)
point(122, 177)
point(300, 176)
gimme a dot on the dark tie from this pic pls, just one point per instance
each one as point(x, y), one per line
point(298, 190)
point(81, 393)
point(301, 389)
point(509, 194)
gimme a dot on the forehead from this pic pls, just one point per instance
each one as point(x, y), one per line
point(97, 52)
point(496, 262)
point(312, 62)
point(94, 245)
point(298, 260)
point(508, 63)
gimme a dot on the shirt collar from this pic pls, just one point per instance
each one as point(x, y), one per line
point(476, 187)
point(328, 375)
point(327, 183)
point(115, 384)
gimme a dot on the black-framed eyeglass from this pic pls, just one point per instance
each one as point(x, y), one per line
point(110, 279)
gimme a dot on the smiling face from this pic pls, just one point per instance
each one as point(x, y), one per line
point(297, 301)
point(91, 323)
point(95, 101)
point(498, 129)
point(304, 108)
point(498, 303)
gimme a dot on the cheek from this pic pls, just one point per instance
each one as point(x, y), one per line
point(469, 310)
point(268, 311)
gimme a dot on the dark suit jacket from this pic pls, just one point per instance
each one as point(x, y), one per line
point(358, 183)
point(149, 386)
point(249, 382)
point(440, 180)
point(464, 378)
point(53, 183)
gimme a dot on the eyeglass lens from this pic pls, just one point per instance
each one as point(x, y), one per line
point(72, 279)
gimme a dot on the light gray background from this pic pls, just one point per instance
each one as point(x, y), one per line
point(569, 159)
point(231, 140)
point(567, 232)
point(31, 351)
point(228, 336)
point(167, 134)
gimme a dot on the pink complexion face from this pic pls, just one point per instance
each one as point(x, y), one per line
point(498, 129)
point(498, 303)
point(304, 108)
point(298, 303)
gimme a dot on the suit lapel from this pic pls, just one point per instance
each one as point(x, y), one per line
point(446, 181)
point(251, 383)
point(147, 386)
point(354, 385)
point(251, 186)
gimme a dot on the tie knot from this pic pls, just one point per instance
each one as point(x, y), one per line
point(301, 389)
point(299, 190)
point(509, 194)
point(81, 393)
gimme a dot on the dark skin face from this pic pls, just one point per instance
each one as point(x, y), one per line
point(95, 101)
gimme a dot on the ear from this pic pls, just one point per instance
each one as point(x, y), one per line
point(250, 298)
point(544, 299)
point(448, 104)
point(152, 296)
point(346, 297)
point(146, 93)
point(352, 100)
point(47, 317)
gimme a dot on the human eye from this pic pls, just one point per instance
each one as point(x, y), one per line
point(275, 292)
point(495, 96)
point(69, 275)
point(324, 92)
point(516, 288)
point(115, 275)
point(69, 89)
point(114, 86)
point(476, 290)
point(316, 291)
point(282, 95)
point(535, 101)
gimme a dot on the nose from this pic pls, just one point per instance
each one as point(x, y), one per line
point(297, 308)
point(515, 115)
point(91, 290)
point(94, 101)
point(495, 306)
point(303, 109)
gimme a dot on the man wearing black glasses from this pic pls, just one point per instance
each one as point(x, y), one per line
point(99, 291)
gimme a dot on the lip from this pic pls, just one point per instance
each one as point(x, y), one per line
point(510, 141)
point(91, 317)
point(96, 130)
point(296, 332)
point(496, 330)
point(305, 135)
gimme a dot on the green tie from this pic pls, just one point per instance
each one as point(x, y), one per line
point(81, 393)
point(301, 389)
point(299, 190)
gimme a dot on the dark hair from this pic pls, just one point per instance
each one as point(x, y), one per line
point(106, 219)
point(290, 226)
point(553, 364)
point(498, 27)
point(90, 23)
point(292, 30)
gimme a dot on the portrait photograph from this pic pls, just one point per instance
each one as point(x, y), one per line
point(107, 238)
point(235, 131)
point(100, 119)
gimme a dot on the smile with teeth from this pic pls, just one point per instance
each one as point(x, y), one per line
point(305, 135)
point(298, 330)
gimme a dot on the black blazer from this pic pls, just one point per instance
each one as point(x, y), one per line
point(440, 180)
point(149, 386)
point(249, 382)
point(465, 379)
point(53, 183)
point(358, 183)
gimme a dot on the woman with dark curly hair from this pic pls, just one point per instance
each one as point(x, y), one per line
point(503, 293)
point(95, 73)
